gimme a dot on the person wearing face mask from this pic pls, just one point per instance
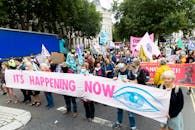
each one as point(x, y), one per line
point(125, 75)
point(88, 105)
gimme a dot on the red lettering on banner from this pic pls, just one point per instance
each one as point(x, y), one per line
point(53, 83)
point(46, 81)
point(72, 85)
point(99, 88)
point(18, 78)
point(37, 81)
point(32, 80)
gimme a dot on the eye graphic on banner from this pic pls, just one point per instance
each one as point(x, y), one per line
point(136, 99)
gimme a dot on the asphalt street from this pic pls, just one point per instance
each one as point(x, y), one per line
point(53, 119)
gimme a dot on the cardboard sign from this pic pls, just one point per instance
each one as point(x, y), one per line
point(57, 58)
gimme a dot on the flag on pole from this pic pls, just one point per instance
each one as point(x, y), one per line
point(180, 44)
point(142, 54)
point(148, 46)
point(45, 52)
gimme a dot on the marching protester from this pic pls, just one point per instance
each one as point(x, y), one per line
point(69, 99)
point(125, 75)
point(88, 105)
point(26, 93)
point(10, 93)
point(190, 59)
point(49, 97)
point(175, 118)
point(163, 67)
point(36, 99)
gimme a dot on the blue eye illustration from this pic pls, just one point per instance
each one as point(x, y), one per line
point(136, 99)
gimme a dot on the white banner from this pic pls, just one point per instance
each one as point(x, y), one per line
point(143, 100)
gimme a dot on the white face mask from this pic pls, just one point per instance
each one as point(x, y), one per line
point(83, 71)
point(121, 65)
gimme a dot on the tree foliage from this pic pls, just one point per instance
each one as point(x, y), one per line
point(73, 16)
point(153, 16)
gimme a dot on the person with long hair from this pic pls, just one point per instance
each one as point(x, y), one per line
point(10, 93)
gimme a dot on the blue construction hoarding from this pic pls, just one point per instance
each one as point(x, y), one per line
point(17, 43)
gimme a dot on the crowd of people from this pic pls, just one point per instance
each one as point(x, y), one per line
point(116, 64)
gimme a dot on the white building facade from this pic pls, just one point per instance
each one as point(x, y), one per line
point(107, 24)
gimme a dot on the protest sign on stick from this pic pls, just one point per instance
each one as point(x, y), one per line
point(57, 58)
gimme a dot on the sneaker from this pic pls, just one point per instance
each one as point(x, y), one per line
point(74, 114)
point(134, 129)
point(116, 125)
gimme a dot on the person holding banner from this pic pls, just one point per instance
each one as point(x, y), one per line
point(11, 95)
point(125, 75)
point(69, 99)
point(157, 76)
point(29, 67)
point(175, 118)
point(26, 93)
point(50, 104)
point(88, 105)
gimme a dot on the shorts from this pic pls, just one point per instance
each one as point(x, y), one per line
point(175, 123)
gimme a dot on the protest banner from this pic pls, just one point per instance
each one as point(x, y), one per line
point(143, 100)
point(57, 58)
point(149, 47)
point(185, 73)
point(134, 41)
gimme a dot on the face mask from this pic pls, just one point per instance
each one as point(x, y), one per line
point(83, 71)
point(121, 65)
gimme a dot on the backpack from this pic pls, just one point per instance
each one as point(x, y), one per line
point(143, 76)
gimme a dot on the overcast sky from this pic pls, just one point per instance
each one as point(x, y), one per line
point(107, 3)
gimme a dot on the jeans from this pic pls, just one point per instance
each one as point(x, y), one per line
point(49, 98)
point(68, 100)
point(89, 109)
point(131, 118)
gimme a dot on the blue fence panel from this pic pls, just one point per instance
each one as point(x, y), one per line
point(16, 43)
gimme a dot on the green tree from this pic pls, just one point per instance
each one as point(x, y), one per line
point(75, 16)
point(3, 14)
point(153, 16)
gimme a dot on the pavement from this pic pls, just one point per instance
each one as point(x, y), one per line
point(53, 119)
point(12, 118)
